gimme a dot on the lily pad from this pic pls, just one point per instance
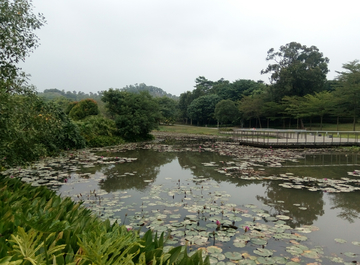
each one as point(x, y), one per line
point(233, 255)
point(339, 240)
point(263, 252)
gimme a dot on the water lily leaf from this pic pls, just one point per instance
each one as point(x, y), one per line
point(267, 260)
point(233, 255)
point(240, 244)
point(313, 254)
point(258, 241)
point(214, 249)
point(350, 254)
point(356, 243)
point(336, 259)
point(339, 240)
point(263, 252)
point(282, 217)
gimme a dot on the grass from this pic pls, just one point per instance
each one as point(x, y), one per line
point(188, 129)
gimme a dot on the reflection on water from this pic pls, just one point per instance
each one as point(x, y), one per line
point(169, 169)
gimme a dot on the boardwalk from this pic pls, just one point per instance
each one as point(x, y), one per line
point(294, 138)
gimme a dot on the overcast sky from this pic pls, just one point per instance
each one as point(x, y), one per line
point(91, 46)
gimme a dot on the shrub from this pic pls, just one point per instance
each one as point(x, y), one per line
point(83, 109)
point(99, 131)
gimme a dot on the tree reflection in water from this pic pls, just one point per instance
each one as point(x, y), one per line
point(313, 201)
point(348, 203)
point(147, 167)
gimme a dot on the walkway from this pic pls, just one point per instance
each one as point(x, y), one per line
point(294, 138)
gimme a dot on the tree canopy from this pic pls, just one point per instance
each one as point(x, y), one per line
point(136, 115)
point(297, 70)
point(17, 39)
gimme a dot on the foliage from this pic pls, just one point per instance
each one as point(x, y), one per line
point(252, 107)
point(99, 131)
point(348, 91)
point(168, 109)
point(298, 70)
point(226, 111)
point(202, 109)
point(136, 115)
point(17, 26)
point(41, 130)
point(153, 91)
point(84, 108)
point(37, 227)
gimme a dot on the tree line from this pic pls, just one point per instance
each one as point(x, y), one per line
point(298, 91)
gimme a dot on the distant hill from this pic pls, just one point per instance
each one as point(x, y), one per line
point(154, 91)
point(53, 93)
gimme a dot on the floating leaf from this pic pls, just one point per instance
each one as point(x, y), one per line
point(258, 241)
point(339, 240)
point(233, 255)
point(263, 252)
point(350, 254)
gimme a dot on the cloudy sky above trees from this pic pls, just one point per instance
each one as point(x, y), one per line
point(91, 46)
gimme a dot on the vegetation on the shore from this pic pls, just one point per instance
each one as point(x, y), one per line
point(39, 227)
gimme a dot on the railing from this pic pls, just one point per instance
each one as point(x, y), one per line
point(277, 137)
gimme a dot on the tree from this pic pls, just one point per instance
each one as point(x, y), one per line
point(319, 104)
point(202, 109)
point(348, 90)
point(298, 70)
point(168, 109)
point(252, 107)
point(136, 115)
point(226, 111)
point(17, 39)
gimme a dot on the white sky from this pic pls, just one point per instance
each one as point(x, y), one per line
point(90, 45)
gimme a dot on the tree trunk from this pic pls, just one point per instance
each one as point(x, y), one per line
point(354, 123)
point(302, 124)
point(268, 123)
point(259, 122)
point(321, 119)
point(337, 123)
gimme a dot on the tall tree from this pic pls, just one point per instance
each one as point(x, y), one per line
point(298, 70)
point(226, 111)
point(252, 107)
point(202, 109)
point(349, 88)
point(17, 38)
point(168, 109)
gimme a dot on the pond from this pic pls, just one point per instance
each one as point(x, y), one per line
point(239, 204)
point(238, 208)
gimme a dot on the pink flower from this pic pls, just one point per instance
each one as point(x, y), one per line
point(325, 179)
point(65, 180)
point(12, 176)
point(246, 229)
point(129, 228)
point(218, 223)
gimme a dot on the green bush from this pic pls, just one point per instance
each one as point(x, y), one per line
point(31, 128)
point(84, 108)
point(99, 131)
point(136, 115)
